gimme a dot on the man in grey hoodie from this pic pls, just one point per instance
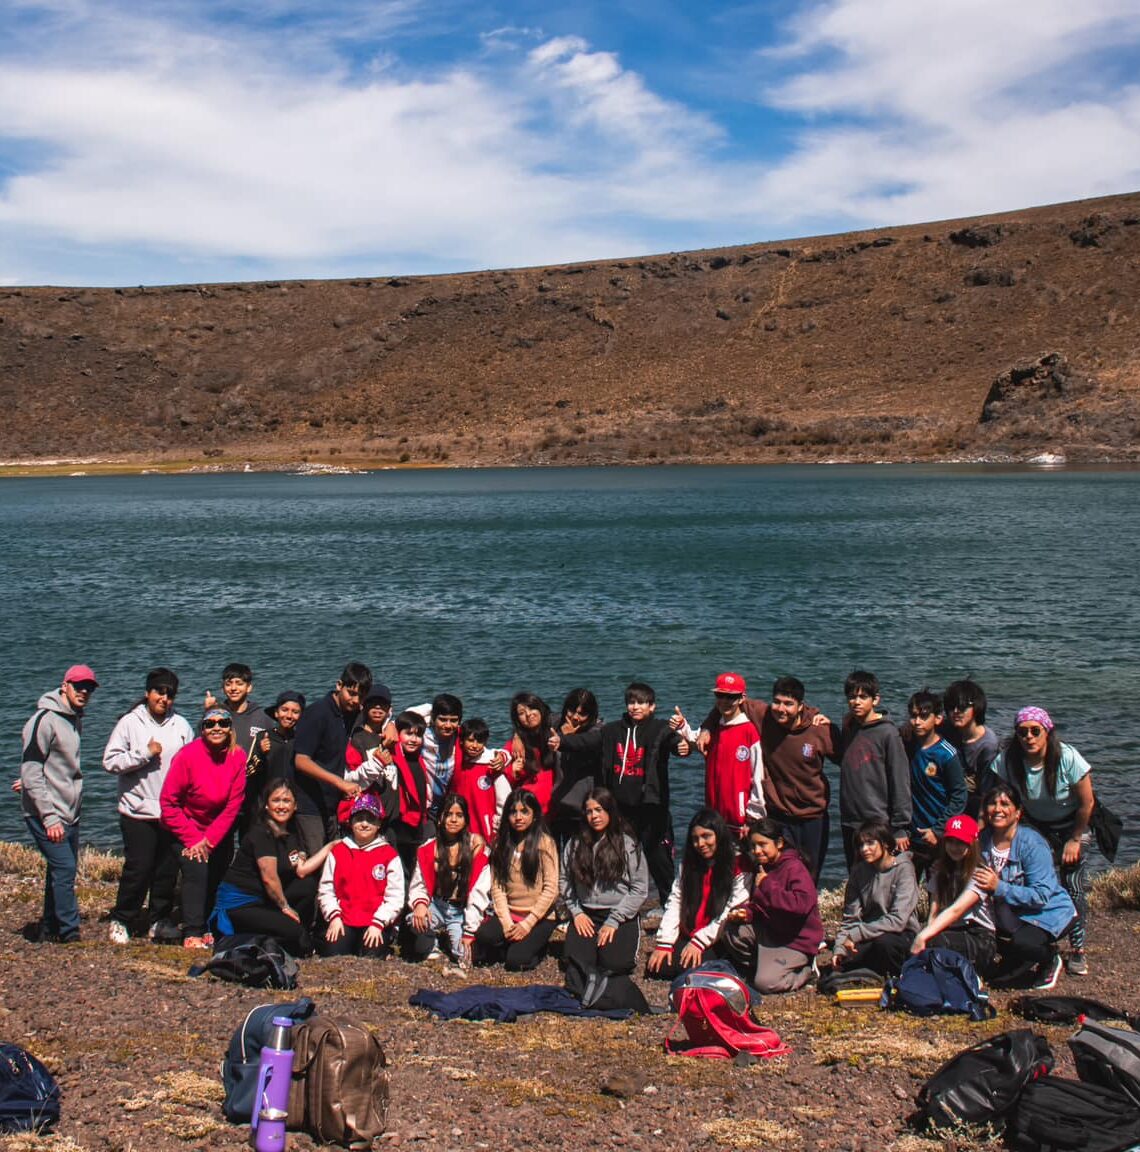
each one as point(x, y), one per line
point(51, 789)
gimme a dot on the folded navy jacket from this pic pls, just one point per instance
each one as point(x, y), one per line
point(505, 1005)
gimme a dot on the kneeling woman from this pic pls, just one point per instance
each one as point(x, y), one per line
point(524, 886)
point(709, 885)
point(880, 916)
point(271, 887)
point(450, 888)
point(775, 938)
point(604, 882)
point(1031, 909)
point(361, 894)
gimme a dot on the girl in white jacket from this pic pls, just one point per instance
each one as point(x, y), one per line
point(139, 752)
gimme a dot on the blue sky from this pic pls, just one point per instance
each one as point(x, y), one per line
point(189, 140)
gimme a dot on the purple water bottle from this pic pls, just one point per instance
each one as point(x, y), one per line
point(271, 1103)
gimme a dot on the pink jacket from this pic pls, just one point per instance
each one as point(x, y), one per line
point(201, 798)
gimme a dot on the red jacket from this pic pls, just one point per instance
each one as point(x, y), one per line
point(734, 771)
point(476, 784)
point(363, 886)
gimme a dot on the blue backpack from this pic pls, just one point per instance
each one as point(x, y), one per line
point(29, 1095)
point(938, 981)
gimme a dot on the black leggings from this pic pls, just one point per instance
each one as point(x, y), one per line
point(583, 956)
point(351, 943)
point(493, 947)
point(200, 885)
point(265, 919)
point(976, 944)
point(884, 954)
point(1022, 956)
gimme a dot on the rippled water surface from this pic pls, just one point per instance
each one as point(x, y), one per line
point(485, 582)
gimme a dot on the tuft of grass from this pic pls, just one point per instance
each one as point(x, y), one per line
point(746, 1133)
point(30, 1142)
point(191, 1089)
point(20, 860)
point(1118, 888)
point(97, 867)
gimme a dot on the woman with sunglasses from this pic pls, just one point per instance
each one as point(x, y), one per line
point(200, 801)
point(143, 743)
point(1056, 782)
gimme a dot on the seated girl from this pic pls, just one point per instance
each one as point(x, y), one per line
point(361, 893)
point(450, 889)
point(271, 886)
point(709, 885)
point(880, 906)
point(961, 914)
point(1032, 911)
point(524, 886)
point(774, 939)
point(605, 880)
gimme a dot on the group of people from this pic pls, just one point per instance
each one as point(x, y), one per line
point(346, 827)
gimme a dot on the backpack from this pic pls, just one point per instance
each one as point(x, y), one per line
point(938, 981)
point(345, 1081)
point(29, 1095)
point(983, 1082)
point(712, 1007)
point(1109, 1057)
point(841, 979)
point(1055, 1115)
point(1067, 1010)
point(242, 1060)
point(255, 961)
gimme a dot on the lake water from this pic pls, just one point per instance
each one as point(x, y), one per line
point(488, 582)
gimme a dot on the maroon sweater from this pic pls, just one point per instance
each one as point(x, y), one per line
point(785, 907)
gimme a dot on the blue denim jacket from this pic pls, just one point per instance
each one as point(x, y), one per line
point(1029, 886)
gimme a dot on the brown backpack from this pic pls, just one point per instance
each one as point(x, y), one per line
point(340, 1082)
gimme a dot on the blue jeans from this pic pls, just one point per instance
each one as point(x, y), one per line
point(445, 919)
point(61, 909)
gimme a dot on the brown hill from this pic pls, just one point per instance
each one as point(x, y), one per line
point(1009, 335)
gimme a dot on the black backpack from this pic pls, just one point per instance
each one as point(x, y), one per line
point(29, 1095)
point(1067, 1010)
point(1055, 1115)
point(242, 1061)
point(838, 979)
point(255, 961)
point(1109, 1057)
point(982, 1083)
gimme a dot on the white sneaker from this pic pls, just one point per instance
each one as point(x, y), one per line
point(119, 933)
point(435, 956)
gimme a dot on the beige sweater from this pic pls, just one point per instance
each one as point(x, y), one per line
point(533, 902)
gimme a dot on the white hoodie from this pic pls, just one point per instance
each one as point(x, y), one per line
point(127, 756)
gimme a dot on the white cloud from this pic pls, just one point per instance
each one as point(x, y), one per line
point(173, 139)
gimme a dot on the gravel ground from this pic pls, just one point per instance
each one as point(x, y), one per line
point(136, 1045)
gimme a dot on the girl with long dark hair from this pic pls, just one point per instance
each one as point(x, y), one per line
point(605, 881)
point(1056, 783)
point(450, 888)
point(578, 768)
point(524, 886)
point(533, 760)
point(710, 884)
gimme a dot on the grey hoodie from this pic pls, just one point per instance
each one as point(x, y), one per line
point(623, 901)
point(49, 769)
point(878, 902)
point(140, 774)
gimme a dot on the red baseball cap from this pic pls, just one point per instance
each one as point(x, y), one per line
point(730, 683)
point(964, 828)
point(78, 673)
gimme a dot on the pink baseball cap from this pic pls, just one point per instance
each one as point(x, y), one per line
point(964, 828)
point(78, 673)
point(730, 683)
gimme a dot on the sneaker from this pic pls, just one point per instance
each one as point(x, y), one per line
point(435, 956)
point(1077, 964)
point(119, 933)
point(165, 932)
point(1050, 974)
point(208, 939)
point(196, 943)
point(458, 971)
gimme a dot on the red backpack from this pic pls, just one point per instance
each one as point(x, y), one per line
point(712, 1006)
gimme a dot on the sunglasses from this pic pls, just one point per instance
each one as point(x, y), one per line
point(169, 693)
point(83, 685)
point(1031, 731)
point(216, 724)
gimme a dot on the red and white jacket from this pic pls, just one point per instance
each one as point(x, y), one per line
point(704, 931)
point(532, 776)
point(482, 787)
point(734, 771)
point(363, 886)
point(422, 889)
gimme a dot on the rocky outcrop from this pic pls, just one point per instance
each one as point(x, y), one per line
point(1031, 386)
